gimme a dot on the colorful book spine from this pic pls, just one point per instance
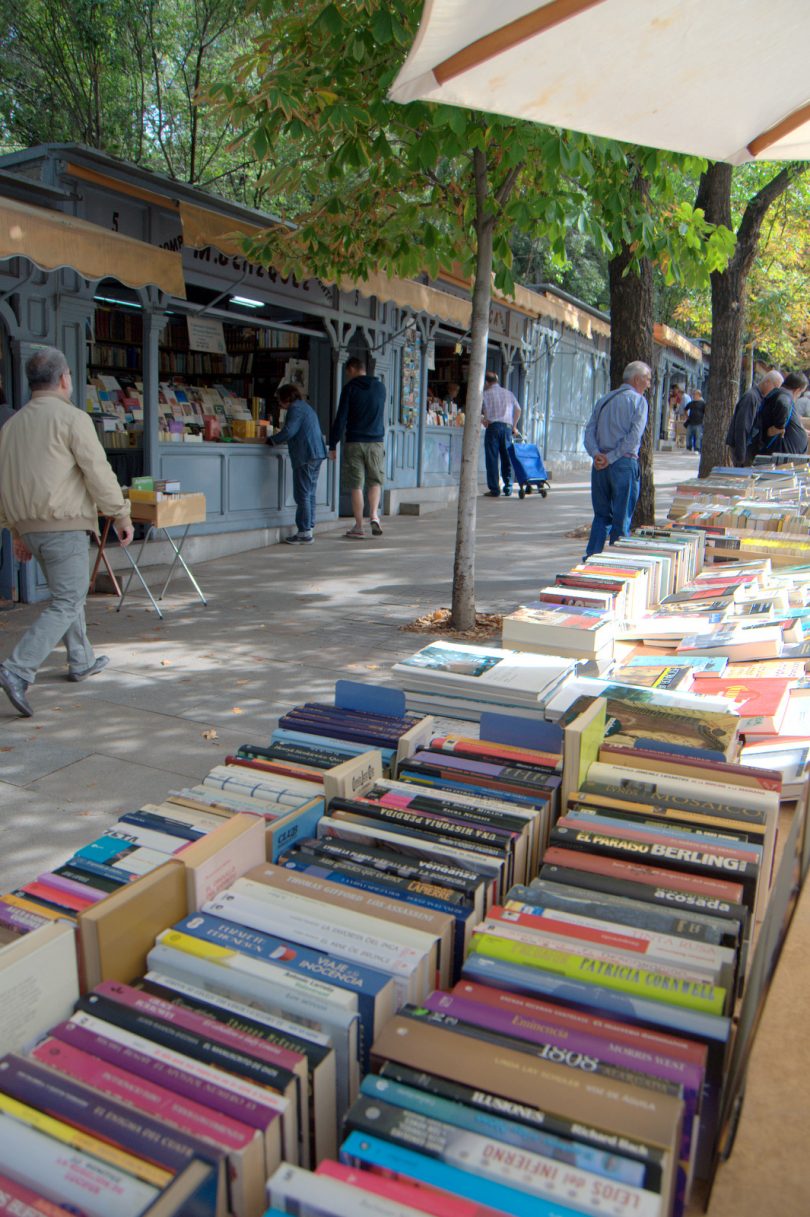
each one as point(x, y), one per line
point(16, 1200)
point(626, 978)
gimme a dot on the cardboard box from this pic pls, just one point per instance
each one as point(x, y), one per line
point(185, 509)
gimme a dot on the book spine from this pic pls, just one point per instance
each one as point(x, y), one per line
point(149, 1061)
point(57, 897)
point(92, 879)
point(545, 1179)
point(68, 1176)
point(695, 860)
point(660, 894)
point(371, 1153)
point(640, 982)
point(162, 824)
point(16, 1200)
point(539, 1119)
point(18, 920)
point(84, 895)
point(367, 880)
point(191, 1117)
point(144, 1140)
point(639, 873)
point(198, 1024)
point(488, 1124)
point(183, 1042)
point(455, 878)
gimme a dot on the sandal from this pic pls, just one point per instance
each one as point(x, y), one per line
point(376, 528)
point(355, 535)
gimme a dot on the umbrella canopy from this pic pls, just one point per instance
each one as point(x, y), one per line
point(724, 79)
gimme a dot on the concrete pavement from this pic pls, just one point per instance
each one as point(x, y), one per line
point(282, 624)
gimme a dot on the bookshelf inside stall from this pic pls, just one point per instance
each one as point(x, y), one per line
point(224, 394)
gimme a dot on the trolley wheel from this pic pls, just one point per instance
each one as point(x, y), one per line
point(522, 492)
point(528, 488)
point(543, 493)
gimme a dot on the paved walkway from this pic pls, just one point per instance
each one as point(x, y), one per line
point(281, 626)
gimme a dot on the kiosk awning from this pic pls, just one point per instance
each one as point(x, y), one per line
point(51, 239)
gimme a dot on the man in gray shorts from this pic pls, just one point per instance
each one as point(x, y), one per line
point(361, 414)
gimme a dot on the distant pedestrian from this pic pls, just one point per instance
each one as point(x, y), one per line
point(613, 437)
point(302, 435)
point(500, 412)
point(55, 480)
point(780, 425)
point(6, 413)
point(742, 420)
point(361, 414)
point(693, 418)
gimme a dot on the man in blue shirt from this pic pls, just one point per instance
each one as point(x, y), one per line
point(612, 438)
point(302, 435)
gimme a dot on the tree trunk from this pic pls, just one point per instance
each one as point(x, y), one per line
point(729, 298)
point(463, 607)
point(631, 338)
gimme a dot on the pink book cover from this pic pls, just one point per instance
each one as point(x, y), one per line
point(201, 1024)
point(183, 1081)
point(144, 1096)
point(80, 890)
point(655, 1041)
point(426, 1200)
point(16, 1200)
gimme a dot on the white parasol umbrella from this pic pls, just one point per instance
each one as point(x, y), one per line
point(724, 79)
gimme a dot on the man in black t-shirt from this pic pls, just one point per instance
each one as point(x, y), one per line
point(693, 418)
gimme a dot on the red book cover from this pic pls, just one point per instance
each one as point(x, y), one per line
point(16, 1200)
point(764, 698)
point(54, 895)
point(630, 832)
point(423, 1199)
point(651, 876)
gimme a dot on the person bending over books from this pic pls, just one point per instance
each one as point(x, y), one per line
point(612, 438)
point(305, 443)
point(780, 427)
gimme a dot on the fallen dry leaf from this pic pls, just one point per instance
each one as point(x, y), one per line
point(438, 622)
point(165, 663)
point(210, 734)
point(236, 710)
point(242, 682)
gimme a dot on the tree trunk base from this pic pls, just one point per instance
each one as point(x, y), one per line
point(439, 621)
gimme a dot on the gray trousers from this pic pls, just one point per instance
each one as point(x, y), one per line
point(64, 558)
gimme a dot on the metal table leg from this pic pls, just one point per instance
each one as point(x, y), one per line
point(135, 564)
point(179, 559)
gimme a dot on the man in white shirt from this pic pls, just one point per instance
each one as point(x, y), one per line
point(499, 413)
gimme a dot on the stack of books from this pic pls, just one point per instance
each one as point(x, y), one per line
point(461, 681)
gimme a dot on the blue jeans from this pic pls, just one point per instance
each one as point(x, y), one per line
point(497, 442)
point(694, 437)
point(305, 484)
point(614, 494)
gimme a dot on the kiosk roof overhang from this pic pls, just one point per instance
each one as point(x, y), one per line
point(52, 240)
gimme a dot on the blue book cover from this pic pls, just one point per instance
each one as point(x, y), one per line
point(106, 849)
point(362, 1151)
point(351, 748)
point(657, 745)
point(486, 1124)
point(713, 664)
point(146, 819)
point(98, 868)
point(374, 990)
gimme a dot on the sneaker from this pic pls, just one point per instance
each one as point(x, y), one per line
point(376, 528)
point(299, 538)
point(98, 666)
point(15, 688)
point(507, 490)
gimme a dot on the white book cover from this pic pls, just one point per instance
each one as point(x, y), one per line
point(39, 983)
point(462, 666)
point(702, 955)
point(67, 1176)
point(416, 949)
point(402, 965)
point(486, 865)
point(718, 790)
point(293, 1190)
point(341, 1029)
point(146, 838)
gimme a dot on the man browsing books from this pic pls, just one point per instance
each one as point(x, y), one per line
point(54, 481)
point(500, 412)
point(361, 414)
point(302, 435)
point(612, 438)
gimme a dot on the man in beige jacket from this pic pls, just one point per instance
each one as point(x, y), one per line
point(54, 481)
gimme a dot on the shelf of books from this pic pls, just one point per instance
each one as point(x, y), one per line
point(203, 395)
point(494, 938)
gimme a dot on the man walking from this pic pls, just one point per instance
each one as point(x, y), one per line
point(54, 481)
point(694, 419)
point(361, 414)
point(612, 438)
point(742, 419)
point(500, 412)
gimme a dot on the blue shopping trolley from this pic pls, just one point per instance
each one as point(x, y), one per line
point(529, 470)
